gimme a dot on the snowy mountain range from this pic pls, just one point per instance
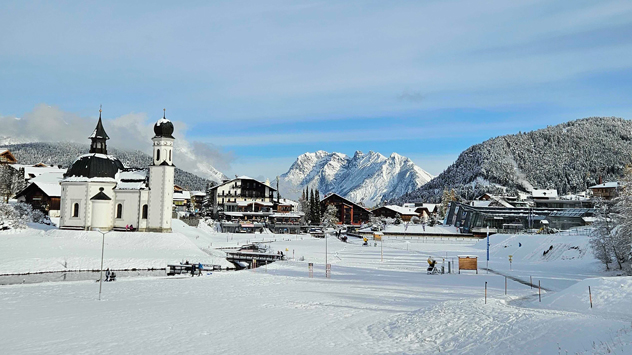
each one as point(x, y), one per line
point(367, 178)
point(568, 157)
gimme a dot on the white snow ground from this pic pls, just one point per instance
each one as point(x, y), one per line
point(368, 306)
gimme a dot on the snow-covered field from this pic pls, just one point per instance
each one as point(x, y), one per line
point(368, 306)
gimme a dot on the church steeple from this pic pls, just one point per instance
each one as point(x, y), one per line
point(98, 138)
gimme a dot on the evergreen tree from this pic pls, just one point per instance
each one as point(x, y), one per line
point(304, 205)
point(312, 204)
point(330, 218)
point(622, 239)
point(207, 203)
point(317, 210)
point(602, 235)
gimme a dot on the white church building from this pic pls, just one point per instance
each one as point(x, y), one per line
point(99, 192)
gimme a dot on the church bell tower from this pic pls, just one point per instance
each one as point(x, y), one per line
point(161, 175)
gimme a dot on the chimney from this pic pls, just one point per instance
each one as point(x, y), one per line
point(600, 180)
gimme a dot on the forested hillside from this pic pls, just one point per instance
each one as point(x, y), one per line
point(568, 157)
point(65, 154)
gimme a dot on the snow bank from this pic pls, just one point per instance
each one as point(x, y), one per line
point(612, 297)
point(54, 250)
point(536, 247)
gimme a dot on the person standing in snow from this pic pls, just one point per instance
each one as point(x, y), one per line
point(107, 275)
point(200, 269)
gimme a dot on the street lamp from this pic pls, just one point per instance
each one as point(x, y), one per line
point(102, 250)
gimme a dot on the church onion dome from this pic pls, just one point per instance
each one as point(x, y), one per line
point(95, 165)
point(163, 128)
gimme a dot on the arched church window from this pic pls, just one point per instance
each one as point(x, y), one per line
point(75, 210)
point(144, 211)
point(119, 211)
point(158, 154)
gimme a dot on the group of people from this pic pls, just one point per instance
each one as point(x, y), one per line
point(195, 268)
point(109, 275)
point(129, 228)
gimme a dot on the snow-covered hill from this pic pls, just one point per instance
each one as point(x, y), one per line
point(368, 178)
point(568, 157)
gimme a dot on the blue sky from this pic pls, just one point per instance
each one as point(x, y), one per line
point(261, 82)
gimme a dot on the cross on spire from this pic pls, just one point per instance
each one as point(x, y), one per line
point(164, 113)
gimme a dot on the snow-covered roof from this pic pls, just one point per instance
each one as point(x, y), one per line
point(31, 171)
point(234, 214)
point(402, 210)
point(504, 202)
point(131, 185)
point(249, 203)
point(286, 201)
point(86, 179)
point(430, 206)
point(198, 193)
point(607, 185)
point(483, 203)
point(49, 177)
point(243, 177)
point(181, 195)
point(138, 175)
point(287, 215)
point(50, 189)
point(537, 193)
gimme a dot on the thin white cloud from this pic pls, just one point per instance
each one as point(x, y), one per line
point(127, 132)
point(393, 133)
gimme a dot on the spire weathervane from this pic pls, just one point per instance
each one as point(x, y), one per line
point(164, 113)
point(100, 106)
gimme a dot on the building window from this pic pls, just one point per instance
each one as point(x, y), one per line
point(119, 210)
point(170, 156)
point(158, 155)
point(144, 211)
point(75, 210)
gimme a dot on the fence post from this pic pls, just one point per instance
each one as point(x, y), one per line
point(539, 291)
point(590, 296)
point(311, 270)
point(485, 292)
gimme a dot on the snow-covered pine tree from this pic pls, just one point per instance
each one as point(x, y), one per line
point(622, 239)
point(303, 205)
point(447, 197)
point(207, 203)
point(11, 181)
point(317, 210)
point(602, 234)
point(329, 217)
point(312, 204)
